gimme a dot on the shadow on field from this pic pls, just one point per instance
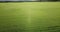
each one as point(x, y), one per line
point(13, 30)
point(46, 29)
point(51, 29)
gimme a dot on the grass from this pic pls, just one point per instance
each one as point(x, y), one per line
point(29, 16)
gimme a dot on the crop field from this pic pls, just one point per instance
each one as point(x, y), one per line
point(30, 17)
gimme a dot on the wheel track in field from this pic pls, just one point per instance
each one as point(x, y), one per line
point(28, 9)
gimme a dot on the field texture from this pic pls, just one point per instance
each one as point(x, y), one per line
point(30, 17)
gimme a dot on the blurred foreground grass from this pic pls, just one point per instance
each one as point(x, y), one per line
point(29, 16)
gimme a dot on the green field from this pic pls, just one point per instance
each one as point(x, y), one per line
point(29, 16)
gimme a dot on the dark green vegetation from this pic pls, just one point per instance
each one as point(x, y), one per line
point(30, 17)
